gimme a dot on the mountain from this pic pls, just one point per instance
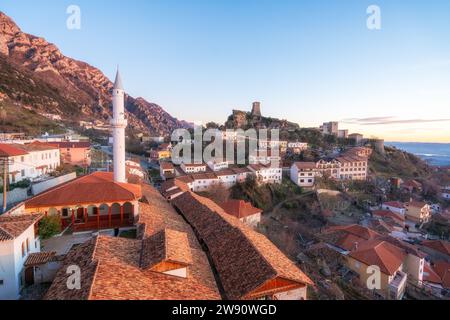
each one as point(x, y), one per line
point(36, 76)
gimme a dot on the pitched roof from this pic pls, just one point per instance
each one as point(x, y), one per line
point(395, 204)
point(38, 146)
point(11, 150)
point(442, 268)
point(39, 258)
point(166, 165)
point(244, 259)
point(430, 275)
point(166, 246)
point(379, 253)
point(98, 187)
point(112, 268)
point(71, 145)
point(239, 208)
point(305, 165)
point(389, 214)
point(12, 227)
point(416, 204)
point(438, 245)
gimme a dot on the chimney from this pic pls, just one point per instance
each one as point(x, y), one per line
point(355, 246)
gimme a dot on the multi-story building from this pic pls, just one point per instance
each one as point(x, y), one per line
point(30, 161)
point(367, 251)
point(74, 153)
point(418, 212)
point(217, 165)
point(357, 137)
point(304, 174)
point(352, 168)
point(18, 240)
point(190, 168)
point(331, 128)
point(244, 211)
point(267, 174)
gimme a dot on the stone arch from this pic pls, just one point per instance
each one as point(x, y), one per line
point(104, 209)
point(115, 209)
point(128, 208)
point(92, 210)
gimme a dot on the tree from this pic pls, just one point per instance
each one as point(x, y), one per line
point(49, 226)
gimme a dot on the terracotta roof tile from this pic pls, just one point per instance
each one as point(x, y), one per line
point(98, 187)
point(11, 150)
point(438, 245)
point(13, 226)
point(35, 259)
point(239, 208)
point(243, 258)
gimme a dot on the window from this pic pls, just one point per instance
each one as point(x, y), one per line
point(28, 245)
point(22, 173)
point(23, 249)
point(22, 159)
point(2, 282)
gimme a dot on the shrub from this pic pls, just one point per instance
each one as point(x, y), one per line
point(49, 227)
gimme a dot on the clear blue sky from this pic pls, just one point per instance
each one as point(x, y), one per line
point(308, 61)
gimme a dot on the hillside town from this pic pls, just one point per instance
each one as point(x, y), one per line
point(102, 197)
point(68, 202)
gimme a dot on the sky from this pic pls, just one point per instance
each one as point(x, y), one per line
point(305, 61)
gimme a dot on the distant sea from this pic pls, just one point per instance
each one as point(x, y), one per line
point(436, 154)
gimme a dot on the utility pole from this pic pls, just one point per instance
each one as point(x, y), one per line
point(5, 182)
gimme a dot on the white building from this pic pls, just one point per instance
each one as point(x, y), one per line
point(304, 174)
point(30, 161)
point(193, 168)
point(267, 174)
point(394, 206)
point(353, 168)
point(18, 239)
point(446, 193)
point(203, 181)
point(227, 177)
point(217, 165)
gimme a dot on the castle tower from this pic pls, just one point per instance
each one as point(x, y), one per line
point(119, 123)
point(256, 110)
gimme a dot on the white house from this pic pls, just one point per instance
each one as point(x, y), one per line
point(18, 239)
point(30, 161)
point(217, 165)
point(394, 206)
point(203, 181)
point(446, 193)
point(227, 177)
point(267, 174)
point(193, 167)
point(304, 174)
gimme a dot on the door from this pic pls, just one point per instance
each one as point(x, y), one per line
point(29, 276)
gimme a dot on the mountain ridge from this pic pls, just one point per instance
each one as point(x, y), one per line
point(77, 83)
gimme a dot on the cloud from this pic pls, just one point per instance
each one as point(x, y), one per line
point(374, 121)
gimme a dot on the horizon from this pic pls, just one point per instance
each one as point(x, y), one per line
point(198, 66)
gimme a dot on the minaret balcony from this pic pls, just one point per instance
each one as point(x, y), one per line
point(119, 123)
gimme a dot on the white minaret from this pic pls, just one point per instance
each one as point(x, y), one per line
point(119, 123)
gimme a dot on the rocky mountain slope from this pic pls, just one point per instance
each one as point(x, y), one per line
point(36, 75)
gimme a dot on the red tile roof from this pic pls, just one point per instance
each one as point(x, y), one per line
point(239, 208)
point(389, 214)
point(12, 227)
point(38, 146)
point(305, 165)
point(442, 268)
point(430, 275)
point(395, 204)
point(98, 187)
point(11, 150)
point(438, 245)
point(244, 259)
point(39, 258)
point(124, 269)
point(71, 145)
point(379, 253)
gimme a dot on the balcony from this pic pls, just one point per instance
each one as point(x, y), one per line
point(398, 285)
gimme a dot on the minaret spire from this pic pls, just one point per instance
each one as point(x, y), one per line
point(119, 123)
